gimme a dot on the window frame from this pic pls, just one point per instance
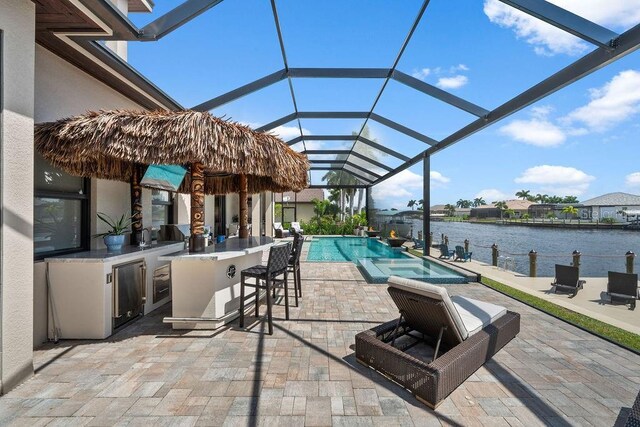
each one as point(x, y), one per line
point(84, 199)
point(170, 204)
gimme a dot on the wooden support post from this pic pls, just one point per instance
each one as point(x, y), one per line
point(244, 208)
point(196, 241)
point(630, 257)
point(533, 263)
point(495, 253)
point(576, 259)
point(136, 205)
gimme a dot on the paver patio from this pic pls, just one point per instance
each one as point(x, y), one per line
point(306, 373)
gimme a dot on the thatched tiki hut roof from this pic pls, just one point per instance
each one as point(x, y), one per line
point(107, 144)
point(227, 156)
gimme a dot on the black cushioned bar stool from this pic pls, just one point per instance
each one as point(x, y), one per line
point(266, 277)
point(294, 264)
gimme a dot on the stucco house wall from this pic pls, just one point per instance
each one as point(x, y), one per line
point(17, 50)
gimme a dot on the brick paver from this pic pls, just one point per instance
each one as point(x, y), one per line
point(306, 373)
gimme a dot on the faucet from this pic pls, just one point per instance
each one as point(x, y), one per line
point(143, 241)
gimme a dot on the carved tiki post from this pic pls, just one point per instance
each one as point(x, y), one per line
point(196, 241)
point(244, 208)
point(136, 205)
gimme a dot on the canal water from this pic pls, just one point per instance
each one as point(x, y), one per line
point(602, 250)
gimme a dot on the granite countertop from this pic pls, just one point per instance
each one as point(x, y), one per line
point(228, 249)
point(104, 256)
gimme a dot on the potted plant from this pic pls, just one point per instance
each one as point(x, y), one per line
point(114, 237)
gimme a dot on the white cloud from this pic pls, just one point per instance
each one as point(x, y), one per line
point(611, 104)
point(288, 132)
point(538, 132)
point(453, 82)
point(459, 67)
point(491, 195)
point(614, 102)
point(437, 179)
point(560, 180)
point(397, 190)
point(421, 74)
point(633, 180)
point(549, 40)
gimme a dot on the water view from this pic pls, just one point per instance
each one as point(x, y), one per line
point(602, 250)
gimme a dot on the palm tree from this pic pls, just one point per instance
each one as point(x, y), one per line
point(570, 199)
point(569, 210)
point(540, 198)
point(501, 206)
point(555, 199)
point(449, 209)
point(333, 178)
point(523, 194)
point(421, 204)
point(478, 201)
point(509, 213)
point(411, 204)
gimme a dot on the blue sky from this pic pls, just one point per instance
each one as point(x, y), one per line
point(579, 141)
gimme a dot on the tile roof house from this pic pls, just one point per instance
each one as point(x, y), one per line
point(520, 207)
point(609, 206)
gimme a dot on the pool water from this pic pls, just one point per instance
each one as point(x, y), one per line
point(350, 249)
point(377, 261)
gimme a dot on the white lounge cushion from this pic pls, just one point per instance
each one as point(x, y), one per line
point(277, 225)
point(433, 292)
point(476, 314)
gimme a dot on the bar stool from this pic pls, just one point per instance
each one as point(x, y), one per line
point(277, 265)
point(294, 264)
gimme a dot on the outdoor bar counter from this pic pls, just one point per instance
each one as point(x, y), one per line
point(206, 286)
point(82, 289)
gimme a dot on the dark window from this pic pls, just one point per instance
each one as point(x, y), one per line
point(61, 207)
point(161, 210)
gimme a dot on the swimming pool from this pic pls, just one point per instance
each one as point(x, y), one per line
point(343, 249)
point(377, 261)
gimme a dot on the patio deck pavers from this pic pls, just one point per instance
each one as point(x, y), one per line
point(306, 373)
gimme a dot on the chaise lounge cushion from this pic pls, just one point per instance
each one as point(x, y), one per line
point(434, 292)
point(466, 315)
point(477, 314)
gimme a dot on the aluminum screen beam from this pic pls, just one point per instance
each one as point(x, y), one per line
point(628, 42)
point(567, 21)
point(382, 148)
point(355, 154)
point(175, 18)
point(274, 124)
point(329, 186)
point(439, 94)
point(403, 129)
point(349, 115)
point(332, 114)
point(349, 167)
point(242, 91)
point(310, 152)
point(340, 73)
point(372, 161)
point(333, 168)
point(342, 163)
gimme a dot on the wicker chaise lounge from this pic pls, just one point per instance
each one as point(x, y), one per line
point(463, 332)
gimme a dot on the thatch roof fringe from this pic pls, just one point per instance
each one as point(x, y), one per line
point(106, 144)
